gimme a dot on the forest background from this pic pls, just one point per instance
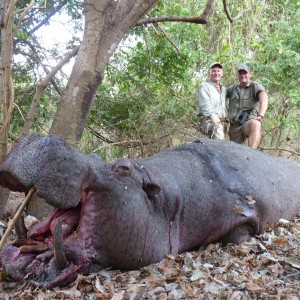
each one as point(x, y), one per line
point(148, 97)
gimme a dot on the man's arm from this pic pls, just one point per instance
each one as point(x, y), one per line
point(263, 103)
point(262, 98)
point(205, 106)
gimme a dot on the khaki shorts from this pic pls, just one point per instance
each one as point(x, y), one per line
point(236, 133)
point(215, 131)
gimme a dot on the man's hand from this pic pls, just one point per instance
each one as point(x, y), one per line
point(259, 118)
point(216, 120)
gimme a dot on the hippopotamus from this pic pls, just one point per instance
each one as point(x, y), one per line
point(133, 212)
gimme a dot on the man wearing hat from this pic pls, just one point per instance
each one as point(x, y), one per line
point(248, 103)
point(212, 109)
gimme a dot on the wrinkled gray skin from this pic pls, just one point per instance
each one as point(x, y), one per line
point(131, 213)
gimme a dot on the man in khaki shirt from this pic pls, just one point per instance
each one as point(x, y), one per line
point(248, 103)
point(212, 105)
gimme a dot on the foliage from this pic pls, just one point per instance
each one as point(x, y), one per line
point(149, 95)
point(33, 59)
point(279, 58)
point(146, 93)
point(150, 89)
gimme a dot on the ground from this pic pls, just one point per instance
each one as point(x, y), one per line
point(267, 267)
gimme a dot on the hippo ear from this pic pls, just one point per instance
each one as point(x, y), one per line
point(151, 189)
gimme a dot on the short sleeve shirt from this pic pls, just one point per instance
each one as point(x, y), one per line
point(244, 98)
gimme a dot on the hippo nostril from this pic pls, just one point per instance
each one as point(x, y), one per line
point(58, 246)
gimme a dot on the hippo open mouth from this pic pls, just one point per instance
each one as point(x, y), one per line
point(49, 242)
point(95, 223)
point(54, 251)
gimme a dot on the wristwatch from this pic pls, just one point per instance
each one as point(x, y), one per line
point(259, 115)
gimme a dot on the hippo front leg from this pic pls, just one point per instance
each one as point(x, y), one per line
point(240, 234)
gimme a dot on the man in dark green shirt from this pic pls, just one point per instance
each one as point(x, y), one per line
point(248, 103)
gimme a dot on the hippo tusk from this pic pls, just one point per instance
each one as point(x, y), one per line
point(21, 229)
point(16, 217)
point(58, 246)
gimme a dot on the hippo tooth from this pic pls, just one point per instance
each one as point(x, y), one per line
point(21, 229)
point(58, 246)
point(28, 242)
point(40, 248)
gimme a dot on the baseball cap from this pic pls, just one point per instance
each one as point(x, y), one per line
point(243, 67)
point(216, 64)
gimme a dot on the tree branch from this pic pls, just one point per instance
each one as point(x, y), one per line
point(24, 13)
point(48, 17)
point(41, 87)
point(279, 149)
point(169, 39)
point(35, 58)
point(203, 19)
point(230, 18)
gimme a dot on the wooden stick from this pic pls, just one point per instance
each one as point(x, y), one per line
point(16, 217)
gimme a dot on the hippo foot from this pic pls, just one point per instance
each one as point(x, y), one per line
point(238, 235)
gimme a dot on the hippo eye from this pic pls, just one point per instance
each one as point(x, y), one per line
point(122, 170)
point(121, 167)
point(125, 168)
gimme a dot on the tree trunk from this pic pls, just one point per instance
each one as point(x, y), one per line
point(6, 86)
point(106, 23)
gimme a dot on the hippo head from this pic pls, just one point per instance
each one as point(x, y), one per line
point(100, 217)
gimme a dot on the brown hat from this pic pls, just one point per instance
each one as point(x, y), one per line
point(216, 64)
point(243, 68)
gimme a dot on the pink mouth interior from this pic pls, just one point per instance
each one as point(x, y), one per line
point(44, 230)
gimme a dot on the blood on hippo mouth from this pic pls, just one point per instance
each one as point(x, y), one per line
point(48, 242)
point(48, 235)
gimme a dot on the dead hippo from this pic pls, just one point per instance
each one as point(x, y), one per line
point(131, 213)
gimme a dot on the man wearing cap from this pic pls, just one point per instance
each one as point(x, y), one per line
point(248, 103)
point(212, 105)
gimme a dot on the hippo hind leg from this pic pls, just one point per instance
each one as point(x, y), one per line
point(238, 235)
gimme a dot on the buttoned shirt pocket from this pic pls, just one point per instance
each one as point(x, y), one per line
point(247, 98)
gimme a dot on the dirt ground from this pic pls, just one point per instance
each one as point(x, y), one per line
point(267, 267)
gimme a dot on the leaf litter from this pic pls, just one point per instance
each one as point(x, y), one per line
point(267, 267)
